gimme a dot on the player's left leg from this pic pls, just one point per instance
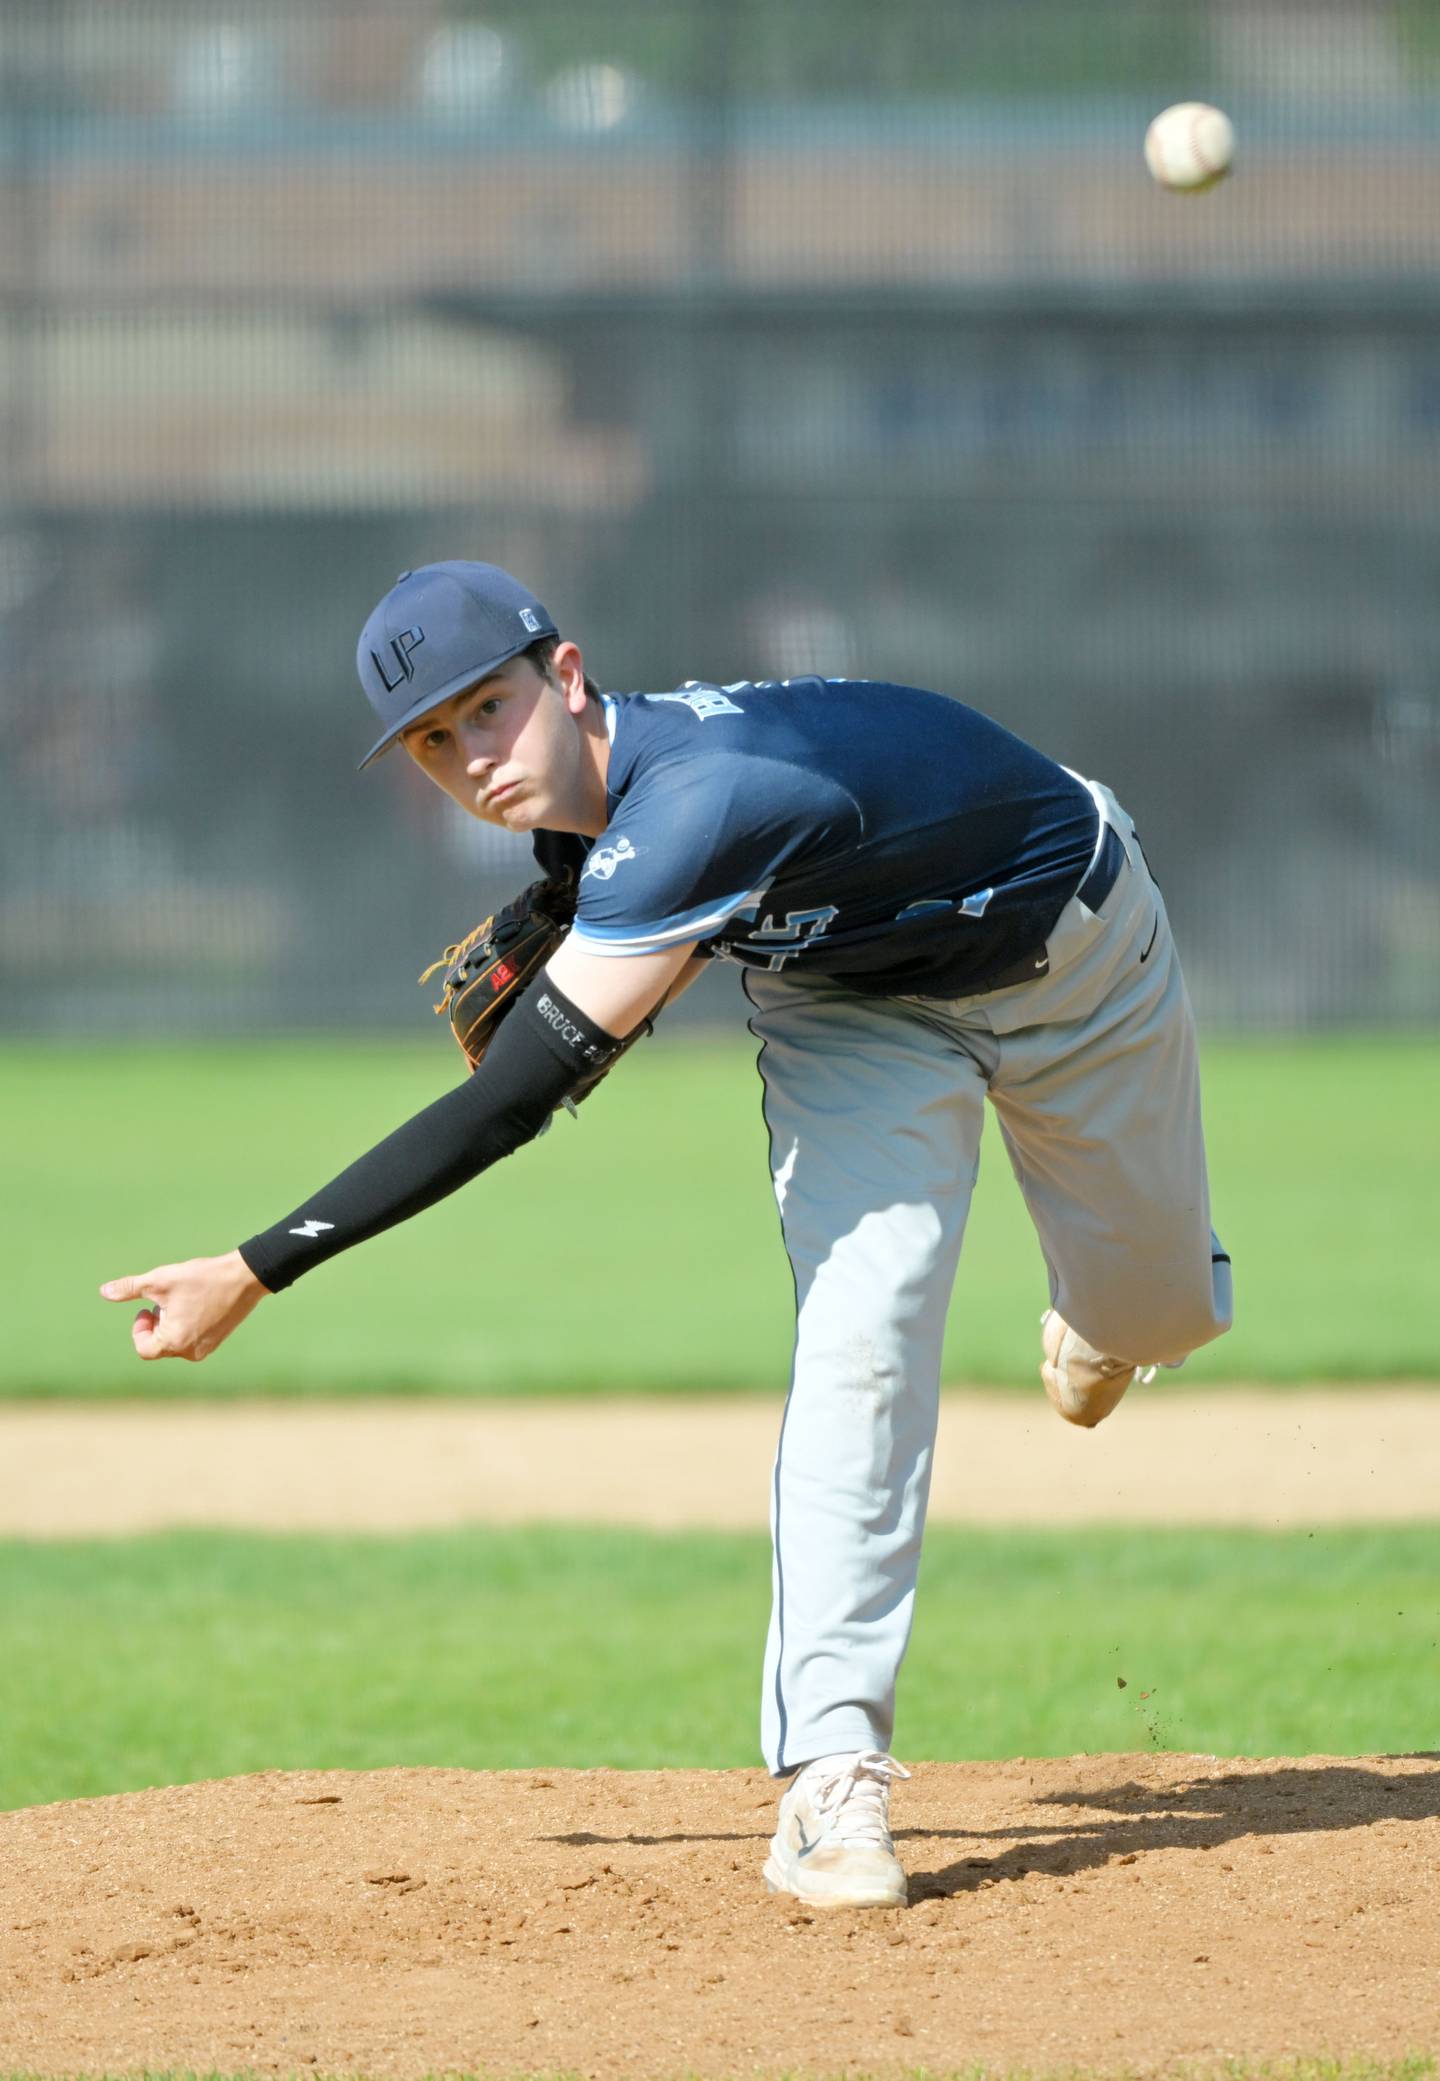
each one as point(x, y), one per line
point(874, 1115)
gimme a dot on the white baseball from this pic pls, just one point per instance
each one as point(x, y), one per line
point(1189, 147)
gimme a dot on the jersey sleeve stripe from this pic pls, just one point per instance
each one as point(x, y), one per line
point(647, 939)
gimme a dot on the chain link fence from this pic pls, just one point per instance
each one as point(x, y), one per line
point(757, 340)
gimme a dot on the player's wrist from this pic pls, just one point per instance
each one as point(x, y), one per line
point(247, 1285)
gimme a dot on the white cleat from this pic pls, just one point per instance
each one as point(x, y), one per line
point(832, 1846)
point(1083, 1383)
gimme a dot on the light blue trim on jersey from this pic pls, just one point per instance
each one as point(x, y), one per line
point(649, 939)
point(612, 714)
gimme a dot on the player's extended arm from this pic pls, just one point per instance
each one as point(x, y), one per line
point(568, 1023)
point(618, 992)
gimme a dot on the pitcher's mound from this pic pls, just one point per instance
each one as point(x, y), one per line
point(1107, 1911)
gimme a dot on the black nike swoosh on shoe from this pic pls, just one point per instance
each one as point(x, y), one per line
point(1146, 955)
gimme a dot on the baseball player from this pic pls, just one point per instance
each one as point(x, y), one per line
point(928, 913)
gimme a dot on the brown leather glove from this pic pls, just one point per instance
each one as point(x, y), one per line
point(489, 968)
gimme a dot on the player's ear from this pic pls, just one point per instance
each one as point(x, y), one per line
point(567, 668)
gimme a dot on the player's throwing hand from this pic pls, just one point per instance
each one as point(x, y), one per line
point(192, 1308)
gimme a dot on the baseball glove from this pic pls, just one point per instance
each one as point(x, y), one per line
point(485, 973)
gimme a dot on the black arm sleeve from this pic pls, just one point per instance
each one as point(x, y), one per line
point(540, 1052)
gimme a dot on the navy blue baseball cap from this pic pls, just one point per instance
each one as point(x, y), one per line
point(437, 631)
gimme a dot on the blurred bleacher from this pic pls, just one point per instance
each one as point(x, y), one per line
point(758, 342)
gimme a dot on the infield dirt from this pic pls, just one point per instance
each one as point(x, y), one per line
point(1133, 1912)
point(1233, 1456)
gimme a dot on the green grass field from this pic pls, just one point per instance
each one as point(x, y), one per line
point(188, 1656)
point(638, 1247)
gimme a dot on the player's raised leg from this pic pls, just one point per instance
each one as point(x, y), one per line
point(1098, 1096)
point(874, 1119)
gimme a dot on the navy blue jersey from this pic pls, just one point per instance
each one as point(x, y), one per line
point(880, 834)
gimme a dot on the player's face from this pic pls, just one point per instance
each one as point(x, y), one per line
point(519, 750)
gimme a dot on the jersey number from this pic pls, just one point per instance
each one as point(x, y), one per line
point(799, 926)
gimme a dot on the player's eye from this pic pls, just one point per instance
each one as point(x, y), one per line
point(433, 739)
point(489, 706)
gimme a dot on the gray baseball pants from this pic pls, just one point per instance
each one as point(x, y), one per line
point(874, 1108)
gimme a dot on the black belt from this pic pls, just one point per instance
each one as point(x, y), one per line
point(1100, 879)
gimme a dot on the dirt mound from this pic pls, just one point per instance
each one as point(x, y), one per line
point(1105, 1911)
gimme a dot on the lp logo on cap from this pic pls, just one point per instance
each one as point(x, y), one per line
point(401, 645)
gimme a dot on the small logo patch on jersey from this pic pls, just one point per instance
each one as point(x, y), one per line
point(976, 906)
point(603, 862)
point(702, 701)
point(312, 1228)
